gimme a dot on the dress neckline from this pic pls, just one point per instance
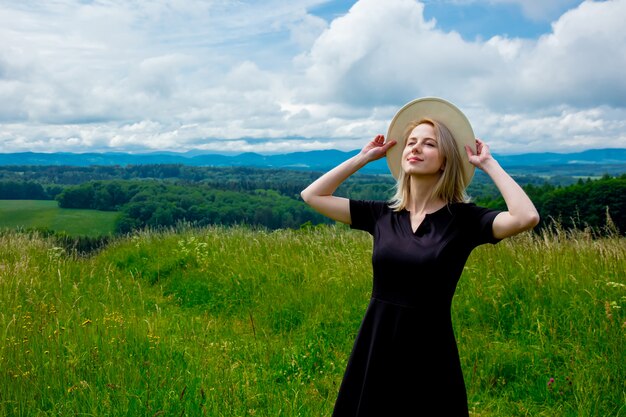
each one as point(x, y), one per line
point(424, 220)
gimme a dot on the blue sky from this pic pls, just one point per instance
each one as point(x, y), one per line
point(279, 76)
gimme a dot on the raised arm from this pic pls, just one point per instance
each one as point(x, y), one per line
point(319, 195)
point(521, 213)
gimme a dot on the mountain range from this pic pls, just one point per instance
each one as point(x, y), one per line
point(313, 160)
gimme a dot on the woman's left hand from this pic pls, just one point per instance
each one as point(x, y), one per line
point(481, 156)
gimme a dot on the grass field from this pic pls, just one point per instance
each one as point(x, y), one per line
point(236, 322)
point(27, 214)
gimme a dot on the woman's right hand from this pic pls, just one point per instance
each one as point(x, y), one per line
point(377, 148)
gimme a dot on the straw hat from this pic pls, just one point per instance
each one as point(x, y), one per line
point(441, 111)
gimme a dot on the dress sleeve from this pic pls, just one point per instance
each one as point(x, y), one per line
point(481, 221)
point(364, 214)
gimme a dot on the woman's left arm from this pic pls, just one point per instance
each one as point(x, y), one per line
point(521, 213)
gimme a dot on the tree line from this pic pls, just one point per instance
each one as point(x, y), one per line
point(153, 203)
point(164, 195)
point(51, 180)
point(599, 205)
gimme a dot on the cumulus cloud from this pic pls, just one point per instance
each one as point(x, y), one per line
point(192, 74)
point(582, 60)
point(378, 55)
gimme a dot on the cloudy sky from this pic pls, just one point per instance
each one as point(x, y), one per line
point(277, 76)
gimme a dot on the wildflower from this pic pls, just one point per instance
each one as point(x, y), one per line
point(607, 310)
point(80, 386)
point(550, 383)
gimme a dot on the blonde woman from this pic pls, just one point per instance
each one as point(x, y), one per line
point(405, 360)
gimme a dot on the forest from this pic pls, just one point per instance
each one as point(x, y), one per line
point(164, 195)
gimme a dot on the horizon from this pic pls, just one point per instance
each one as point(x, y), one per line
point(276, 77)
point(196, 152)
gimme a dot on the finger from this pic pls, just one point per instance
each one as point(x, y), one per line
point(388, 145)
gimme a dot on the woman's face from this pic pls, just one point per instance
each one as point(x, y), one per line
point(422, 154)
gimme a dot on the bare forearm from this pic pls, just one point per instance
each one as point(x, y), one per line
point(319, 194)
point(522, 214)
point(328, 183)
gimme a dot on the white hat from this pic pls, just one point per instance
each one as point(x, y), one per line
point(438, 110)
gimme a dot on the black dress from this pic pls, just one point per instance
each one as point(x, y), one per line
point(405, 361)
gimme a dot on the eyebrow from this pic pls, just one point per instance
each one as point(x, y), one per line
point(426, 138)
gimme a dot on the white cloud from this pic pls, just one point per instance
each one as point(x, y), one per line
point(183, 74)
point(305, 30)
point(578, 67)
point(557, 129)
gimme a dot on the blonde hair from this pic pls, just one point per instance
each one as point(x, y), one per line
point(451, 184)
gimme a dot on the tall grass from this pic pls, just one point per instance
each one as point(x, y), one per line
point(238, 322)
point(542, 326)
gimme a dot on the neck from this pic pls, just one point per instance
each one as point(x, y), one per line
point(422, 199)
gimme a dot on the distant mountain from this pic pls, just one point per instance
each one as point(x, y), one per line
point(593, 156)
point(313, 160)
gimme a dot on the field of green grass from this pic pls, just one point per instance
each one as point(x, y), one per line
point(32, 214)
point(237, 322)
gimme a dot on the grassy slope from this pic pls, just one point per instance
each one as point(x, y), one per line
point(46, 214)
point(233, 322)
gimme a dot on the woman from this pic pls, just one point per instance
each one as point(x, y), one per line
point(405, 361)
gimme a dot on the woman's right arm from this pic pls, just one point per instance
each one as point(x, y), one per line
point(319, 195)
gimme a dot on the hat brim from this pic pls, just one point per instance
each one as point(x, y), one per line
point(441, 111)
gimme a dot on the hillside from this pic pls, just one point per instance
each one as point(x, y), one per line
point(236, 322)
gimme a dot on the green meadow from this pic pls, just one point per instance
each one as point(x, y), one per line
point(45, 214)
point(241, 322)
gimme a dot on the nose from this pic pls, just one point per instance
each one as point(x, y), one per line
point(416, 148)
